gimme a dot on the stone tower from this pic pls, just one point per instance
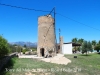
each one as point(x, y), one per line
point(46, 35)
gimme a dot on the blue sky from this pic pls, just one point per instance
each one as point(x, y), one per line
point(22, 25)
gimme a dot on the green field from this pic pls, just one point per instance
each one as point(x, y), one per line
point(83, 65)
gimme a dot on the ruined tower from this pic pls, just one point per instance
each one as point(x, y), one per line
point(46, 35)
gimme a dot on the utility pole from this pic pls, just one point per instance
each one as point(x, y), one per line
point(56, 48)
point(59, 42)
point(59, 35)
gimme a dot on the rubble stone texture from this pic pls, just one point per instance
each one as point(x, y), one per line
point(46, 35)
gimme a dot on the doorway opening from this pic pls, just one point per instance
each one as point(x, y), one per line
point(42, 51)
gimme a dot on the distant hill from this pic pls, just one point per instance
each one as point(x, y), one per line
point(28, 44)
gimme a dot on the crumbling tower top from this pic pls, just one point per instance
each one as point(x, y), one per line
point(45, 19)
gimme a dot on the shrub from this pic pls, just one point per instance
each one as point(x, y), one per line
point(4, 48)
point(24, 50)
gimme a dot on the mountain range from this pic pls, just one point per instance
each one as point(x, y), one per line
point(28, 44)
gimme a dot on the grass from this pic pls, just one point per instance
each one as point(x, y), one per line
point(83, 65)
point(90, 65)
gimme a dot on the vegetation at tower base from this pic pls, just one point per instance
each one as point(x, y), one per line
point(4, 48)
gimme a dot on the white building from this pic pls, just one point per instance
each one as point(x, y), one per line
point(67, 47)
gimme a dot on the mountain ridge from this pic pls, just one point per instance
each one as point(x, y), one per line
point(22, 43)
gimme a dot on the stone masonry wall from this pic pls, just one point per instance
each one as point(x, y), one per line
point(46, 35)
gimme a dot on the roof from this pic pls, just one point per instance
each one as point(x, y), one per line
point(73, 43)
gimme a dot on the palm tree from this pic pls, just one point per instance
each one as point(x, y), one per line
point(84, 47)
point(94, 43)
point(74, 40)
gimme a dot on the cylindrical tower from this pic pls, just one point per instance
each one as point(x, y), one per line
point(46, 35)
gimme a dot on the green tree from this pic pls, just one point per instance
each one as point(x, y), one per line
point(4, 48)
point(89, 46)
point(97, 47)
point(84, 47)
point(93, 43)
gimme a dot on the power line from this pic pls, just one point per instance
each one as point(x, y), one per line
point(22, 7)
point(34, 10)
point(78, 22)
point(52, 10)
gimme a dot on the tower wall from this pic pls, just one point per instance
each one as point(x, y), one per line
point(46, 35)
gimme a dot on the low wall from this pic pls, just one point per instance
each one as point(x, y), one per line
point(6, 59)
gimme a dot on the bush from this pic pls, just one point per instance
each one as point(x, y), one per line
point(8, 65)
point(4, 48)
point(24, 50)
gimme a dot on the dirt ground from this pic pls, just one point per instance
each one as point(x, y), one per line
point(59, 59)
